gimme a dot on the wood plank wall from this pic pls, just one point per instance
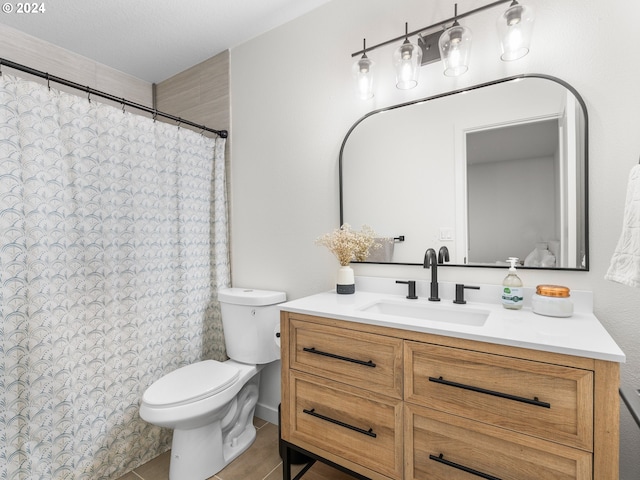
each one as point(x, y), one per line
point(35, 53)
point(199, 94)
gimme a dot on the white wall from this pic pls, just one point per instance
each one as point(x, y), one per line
point(400, 169)
point(293, 102)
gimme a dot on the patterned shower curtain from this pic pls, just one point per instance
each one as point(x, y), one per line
point(113, 243)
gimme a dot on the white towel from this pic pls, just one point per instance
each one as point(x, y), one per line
point(384, 252)
point(625, 263)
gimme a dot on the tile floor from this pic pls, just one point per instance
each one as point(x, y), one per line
point(260, 462)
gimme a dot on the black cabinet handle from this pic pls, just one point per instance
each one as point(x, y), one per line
point(313, 413)
point(535, 400)
point(449, 463)
point(339, 357)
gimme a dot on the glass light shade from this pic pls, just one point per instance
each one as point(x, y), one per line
point(406, 60)
point(515, 26)
point(363, 75)
point(455, 50)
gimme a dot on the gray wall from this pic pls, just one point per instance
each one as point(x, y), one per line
point(519, 194)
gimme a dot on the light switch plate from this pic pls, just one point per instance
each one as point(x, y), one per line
point(446, 234)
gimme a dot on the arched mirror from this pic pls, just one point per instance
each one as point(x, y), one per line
point(493, 171)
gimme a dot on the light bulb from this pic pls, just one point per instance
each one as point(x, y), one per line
point(407, 59)
point(455, 49)
point(515, 27)
point(363, 74)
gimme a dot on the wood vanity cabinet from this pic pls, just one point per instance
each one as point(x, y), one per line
point(396, 404)
point(342, 395)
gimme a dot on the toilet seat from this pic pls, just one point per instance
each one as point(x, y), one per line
point(191, 383)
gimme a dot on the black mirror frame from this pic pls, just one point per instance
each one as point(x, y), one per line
point(468, 89)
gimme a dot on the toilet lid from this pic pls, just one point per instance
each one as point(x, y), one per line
point(191, 383)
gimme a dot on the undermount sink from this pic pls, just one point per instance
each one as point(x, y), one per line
point(424, 311)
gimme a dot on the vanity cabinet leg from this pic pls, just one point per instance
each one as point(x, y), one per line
point(286, 463)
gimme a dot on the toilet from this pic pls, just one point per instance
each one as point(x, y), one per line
point(210, 404)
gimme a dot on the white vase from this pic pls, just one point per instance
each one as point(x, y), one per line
point(346, 281)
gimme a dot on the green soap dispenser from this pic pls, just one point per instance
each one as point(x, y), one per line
point(512, 291)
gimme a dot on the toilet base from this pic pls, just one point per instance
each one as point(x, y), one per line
point(199, 460)
point(199, 453)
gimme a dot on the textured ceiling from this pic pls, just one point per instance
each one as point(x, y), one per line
point(154, 39)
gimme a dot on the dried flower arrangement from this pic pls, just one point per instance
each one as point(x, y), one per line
point(349, 245)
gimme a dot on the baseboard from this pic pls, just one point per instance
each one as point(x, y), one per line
point(267, 413)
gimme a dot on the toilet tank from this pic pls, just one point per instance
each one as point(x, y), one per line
point(251, 319)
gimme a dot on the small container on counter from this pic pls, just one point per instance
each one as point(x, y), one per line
point(552, 301)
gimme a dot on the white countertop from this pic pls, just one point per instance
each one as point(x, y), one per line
point(580, 335)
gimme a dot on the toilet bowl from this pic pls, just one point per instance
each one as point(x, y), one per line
point(210, 404)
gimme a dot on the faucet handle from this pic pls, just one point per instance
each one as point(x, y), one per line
point(460, 293)
point(412, 288)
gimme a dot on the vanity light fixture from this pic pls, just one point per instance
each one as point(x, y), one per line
point(455, 48)
point(363, 74)
point(515, 26)
point(407, 59)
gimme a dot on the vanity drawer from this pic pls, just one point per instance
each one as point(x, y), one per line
point(348, 422)
point(548, 401)
point(439, 446)
point(366, 360)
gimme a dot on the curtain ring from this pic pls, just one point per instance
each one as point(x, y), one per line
point(89, 94)
point(123, 100)
point(179, 122)
point(155, 114)
point(48, 82)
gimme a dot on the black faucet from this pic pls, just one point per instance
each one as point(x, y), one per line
point(412, 288)
point(431, 261)
point(443, 254)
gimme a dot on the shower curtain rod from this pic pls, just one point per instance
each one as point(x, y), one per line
point(124, 102)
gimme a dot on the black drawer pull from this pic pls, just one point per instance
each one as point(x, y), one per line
point(312, 412)
point(477, 473)
point(535, 400)
point(339, 357)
